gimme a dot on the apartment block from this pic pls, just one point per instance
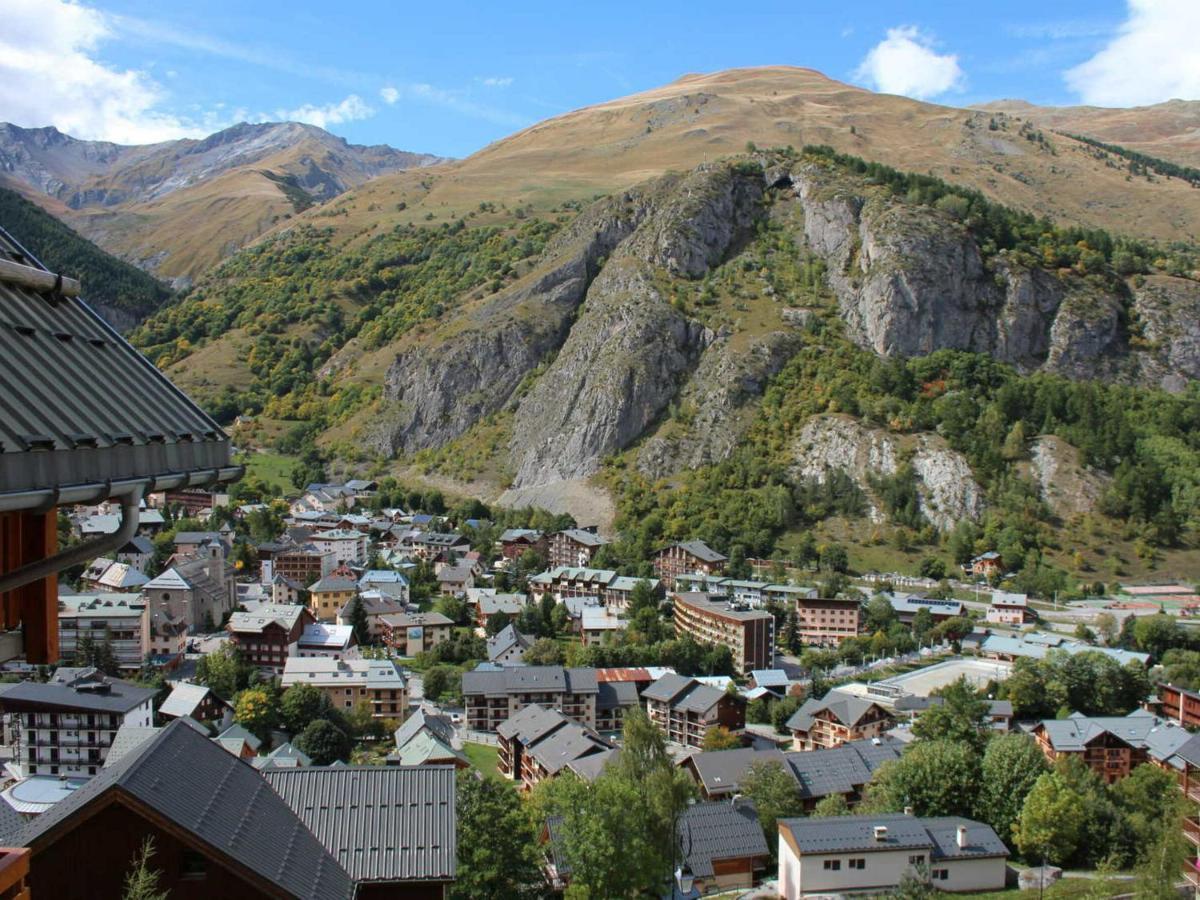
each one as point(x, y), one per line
point(491, 697)
point(748, 633)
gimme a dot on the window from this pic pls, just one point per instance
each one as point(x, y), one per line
point(858, 864)
point(192, 865)
point(918, 860)
point(940, 874)
point(833, 865)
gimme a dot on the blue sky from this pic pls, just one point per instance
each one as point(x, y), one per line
point(449, 78)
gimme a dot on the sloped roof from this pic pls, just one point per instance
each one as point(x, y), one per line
point(1137, 729)
point(531, 723)
point(587, 538)
point(718, 831)
point(80, 405)
point(120, 696)
point(700, 550)
point(285, 756)
point(505, 639)
point(841, 770)
point(721, 771)
point(847, 708)
point(283, 614)
point(847, 834)
point(427, 750)
point(423, 720)
point(183, 699)
point(381, 823)
point(566, 745)
point(223, 802)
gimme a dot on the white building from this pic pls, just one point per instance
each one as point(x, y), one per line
point(848, 854)
point(330, 641)
point(68, 724)
point(120, 619)
point(347, 545)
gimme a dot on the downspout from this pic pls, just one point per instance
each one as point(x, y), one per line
point(84, 552)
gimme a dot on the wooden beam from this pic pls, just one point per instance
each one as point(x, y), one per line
point(38, 279)
point(38, 602)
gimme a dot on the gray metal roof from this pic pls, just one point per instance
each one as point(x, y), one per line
point(531, 723)
point(841, 770)
point(120, 696)
point(721, 771)
point(422, 720)
point(615, 694)
point(530, 679)
point(665, 689)
point(78, 405)
point(717, 831)
point(223, 802)
point(701, 551)
point(382, 823)
point(505, 639)
point(1139, 729)
point(566, 745)
point(856, 834)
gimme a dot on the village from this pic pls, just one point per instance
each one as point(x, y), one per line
point(331, 644)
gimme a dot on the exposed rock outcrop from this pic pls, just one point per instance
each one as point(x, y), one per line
point(910, 280)
point(630, 351)
point(1068, 487)
point(947, 490)
point(432, 396)
point(1168, 310)
point(717, 405)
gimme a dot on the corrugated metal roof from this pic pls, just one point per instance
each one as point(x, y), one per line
point(717, 831)
point(223, 802)
point(79, 405)
point(381, 823)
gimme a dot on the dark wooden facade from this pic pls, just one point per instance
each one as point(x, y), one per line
point(27, 537)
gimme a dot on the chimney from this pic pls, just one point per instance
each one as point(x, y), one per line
point(962, 837)
point(880, 832)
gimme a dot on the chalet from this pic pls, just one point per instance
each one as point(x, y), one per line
point(154, 792)
point(114, 577)
point(986, 565)
point(137, 552)
point(269, 635)
point(1179, 705)
point(410, 633)
point(573, 547)
point(1111, 746)
point(303, 563)
point(489, 603)
point(197, 702)
point(687, 710)
point(599, 625)
point(386, 581)
point(1009, 609)
point(435, 545)
point(538, 743)
point(688, 557)
point(454, 580)
point(507, 646)
point(515, 542)
point(872, 854)
point(285, 756)
point(426, 739)
point(844, 771)
point(491, 697)
point(837, 718)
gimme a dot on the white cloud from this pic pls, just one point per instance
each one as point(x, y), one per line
point(49, 75)
point(1154, 57)
point(351, 109)
point(389, 94)
point(497, 82)
point(906, 63)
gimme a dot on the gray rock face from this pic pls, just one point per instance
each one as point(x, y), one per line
point(947, 490)
point(431, 397)
point(1169, 313)
point(1068, 487)
point(909, 280)
point(630, 351)
point(717, 403)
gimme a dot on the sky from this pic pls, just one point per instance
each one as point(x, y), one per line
point(449, 78)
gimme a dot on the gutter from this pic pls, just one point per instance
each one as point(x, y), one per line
point(129, 492)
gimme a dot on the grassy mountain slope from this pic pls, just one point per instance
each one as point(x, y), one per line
point(1168, 130)
point(613, 145)
point(121, 292)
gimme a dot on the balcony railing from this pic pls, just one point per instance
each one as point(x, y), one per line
point(1191, 875)
point(1190, 787)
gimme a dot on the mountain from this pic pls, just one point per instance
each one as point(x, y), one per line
point(1169, 131)
point(592, 318)
point(123, 294)
point(614, 145)
point(179, 207)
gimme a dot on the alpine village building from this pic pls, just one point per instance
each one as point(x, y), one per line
point(748, 633)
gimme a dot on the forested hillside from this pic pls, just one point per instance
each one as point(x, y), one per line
point(123, 293)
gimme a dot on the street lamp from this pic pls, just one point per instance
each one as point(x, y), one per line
point(685, 880)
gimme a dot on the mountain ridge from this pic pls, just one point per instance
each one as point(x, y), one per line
point(144, 203)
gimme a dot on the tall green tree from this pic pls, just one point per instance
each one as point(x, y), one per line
point(935, 778)
point(962, 715)
point(497, 843)
point(1050, 826)
point(775, 794)
point(301, 704)
point(324, 742)
point(359, 622)
point(1012, 764)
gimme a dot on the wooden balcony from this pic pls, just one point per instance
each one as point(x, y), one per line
point(1191, 875)
point(1191, 829)
point(14, 869)
point(1191, 787)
